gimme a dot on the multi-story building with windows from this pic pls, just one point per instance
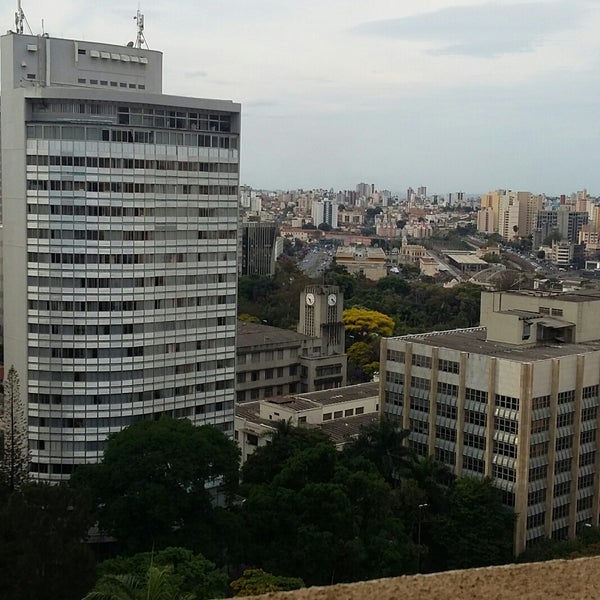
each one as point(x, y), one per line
point(515, 399)
point(119, 248)
point(275, 362)
point(258, 247)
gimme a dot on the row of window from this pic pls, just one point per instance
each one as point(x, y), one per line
point(105, 82)
point(130, 374)
point(152, 116)
point(128, 187)
point(328, 370)
point(130, 236)
point(138, 327)
point(279, 372)
point(338, 414)
point(184, 212)
point(127, 305)
point(267, 355)
point(131, 397)
point(134, 259)
point(119, 282)
point(90, 352)
point(113, 422)
point(113, 163)
point(130, 136)
point(149, 116)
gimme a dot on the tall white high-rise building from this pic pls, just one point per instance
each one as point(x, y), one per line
point(325, 211)
point(119, 246)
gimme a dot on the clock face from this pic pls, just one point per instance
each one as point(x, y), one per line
point(331, 299)
point(310, 299)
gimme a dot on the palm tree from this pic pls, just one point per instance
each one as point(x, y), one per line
point(157, 586)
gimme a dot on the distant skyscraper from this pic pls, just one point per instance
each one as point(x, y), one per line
point(119, 249)
point(364, 189)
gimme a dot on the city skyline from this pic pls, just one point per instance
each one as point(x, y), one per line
point(472, 97)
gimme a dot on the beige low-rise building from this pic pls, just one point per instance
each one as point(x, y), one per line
point(340, 413)
point(358, 259)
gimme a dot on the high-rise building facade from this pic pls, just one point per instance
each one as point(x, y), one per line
point(119, 247)
point(258, 248)
point(325, 211)
point(515, 399)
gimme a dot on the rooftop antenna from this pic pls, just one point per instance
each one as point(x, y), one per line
point(140, 39)
point(20, 18)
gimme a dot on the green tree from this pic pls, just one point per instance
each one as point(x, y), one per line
point(553, 236)
point(363, 360)
point(477, 530)
point(43, 555)
point(155, 585)
point(316, 503)
point(490, 257)
point(256, 581)
point(151, 486)
point(266, 462)
point(14, 451)
point(188, 573)
point(382, 443)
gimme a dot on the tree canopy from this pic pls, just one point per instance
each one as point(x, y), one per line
point(153, 478)
point(364, 322)
point(183, 572)
point(43, 554)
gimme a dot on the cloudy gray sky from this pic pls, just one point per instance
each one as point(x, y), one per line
point(457, 95)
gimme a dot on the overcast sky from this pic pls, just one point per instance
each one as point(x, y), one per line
point(455, 95)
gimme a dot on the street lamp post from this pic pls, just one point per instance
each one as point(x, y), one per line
point(421, 508)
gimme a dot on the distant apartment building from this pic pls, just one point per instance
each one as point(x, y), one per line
point(567, 222)
point(339, 413)
point(258, 248)
point(546, 223)
point(590, 238)
point(325, 211)
point(274, 362)
point(351, 218)
point(570, 223)
point(511, 214)
point(515, 399)
point(486, 220)
point(364, 190)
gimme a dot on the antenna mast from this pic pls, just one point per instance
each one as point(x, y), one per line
point(20, 18)
point(140, 39)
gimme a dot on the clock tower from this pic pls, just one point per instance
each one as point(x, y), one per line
point(321, 308)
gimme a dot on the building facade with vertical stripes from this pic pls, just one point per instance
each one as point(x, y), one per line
point(515, 400)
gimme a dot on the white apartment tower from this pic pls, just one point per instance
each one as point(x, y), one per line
point(119, 248)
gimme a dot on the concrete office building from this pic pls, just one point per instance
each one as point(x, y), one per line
point(120, 242)
point(275, 362)
point(515, 399)
point(340, 413)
